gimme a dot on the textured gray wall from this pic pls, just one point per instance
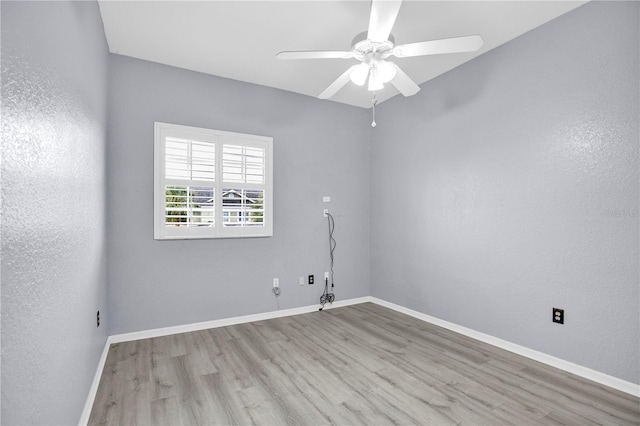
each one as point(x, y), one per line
point(320, 148)
point(54, 75)
point(510, 186)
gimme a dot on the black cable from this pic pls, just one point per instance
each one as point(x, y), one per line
point(332, 244)
point(276, 293)
point(326, 296)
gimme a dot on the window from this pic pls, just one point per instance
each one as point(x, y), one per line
point(211, 184)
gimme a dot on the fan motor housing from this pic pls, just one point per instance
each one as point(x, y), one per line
point(363, 45)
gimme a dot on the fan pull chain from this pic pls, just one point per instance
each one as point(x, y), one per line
point(375, 101)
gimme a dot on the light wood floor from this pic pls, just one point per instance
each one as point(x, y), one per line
point(362, 364)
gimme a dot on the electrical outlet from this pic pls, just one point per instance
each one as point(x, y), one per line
point(98, 319)
point(326, 275)
point(325, 212)
point(558, 315)
point(301, 280)
point(310, 279)
point(276, 282)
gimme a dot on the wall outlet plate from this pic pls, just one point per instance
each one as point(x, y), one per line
point(301, 280)
point(311, 279)
point(276, 282)
point(558, 315)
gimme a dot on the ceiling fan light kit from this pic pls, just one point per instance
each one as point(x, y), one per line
point(359, 74)
point(386, 71)
point(374, 46)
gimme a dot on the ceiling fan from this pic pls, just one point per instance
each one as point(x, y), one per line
point(373, 47)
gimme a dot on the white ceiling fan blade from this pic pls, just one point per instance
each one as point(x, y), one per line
point(316, 54)
point(338, 84)
point(436, 47)
point(403, 83)
point(383, 16)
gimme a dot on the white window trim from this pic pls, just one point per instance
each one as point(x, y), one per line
point(217, 137)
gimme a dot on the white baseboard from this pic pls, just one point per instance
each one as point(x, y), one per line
point(165, 331)
point(86, 411)
point(578, 370)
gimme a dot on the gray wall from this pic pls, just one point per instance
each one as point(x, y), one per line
point(510, 186)
point(320, 148)
point(54, 75)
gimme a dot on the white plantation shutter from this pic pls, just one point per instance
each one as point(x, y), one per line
point(243, 207)
point(243, 164)
point(189, 206)
point(211, 184)
point(189, 159)
point(244, 180)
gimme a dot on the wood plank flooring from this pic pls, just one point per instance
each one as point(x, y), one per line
point(357, 365)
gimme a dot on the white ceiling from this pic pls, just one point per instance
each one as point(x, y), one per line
point(239, 39)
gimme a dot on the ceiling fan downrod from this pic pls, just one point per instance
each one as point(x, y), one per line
point(375, 101)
